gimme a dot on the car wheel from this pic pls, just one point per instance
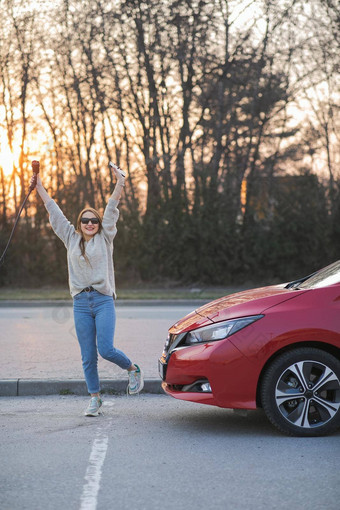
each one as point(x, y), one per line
point(300, 392)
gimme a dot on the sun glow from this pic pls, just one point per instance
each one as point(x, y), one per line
point(35, 146)
point(8, 159)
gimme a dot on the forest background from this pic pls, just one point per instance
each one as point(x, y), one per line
point(225, 114)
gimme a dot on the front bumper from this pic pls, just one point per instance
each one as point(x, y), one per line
point(198, 397)
point(198, 390)
point(231, 376)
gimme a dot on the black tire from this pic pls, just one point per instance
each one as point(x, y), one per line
point(300, 392)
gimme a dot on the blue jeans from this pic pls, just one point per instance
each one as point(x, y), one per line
point(95, 317)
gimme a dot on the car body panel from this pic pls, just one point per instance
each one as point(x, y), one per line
point(191, 321)
point(241, 304)
point(315, 318)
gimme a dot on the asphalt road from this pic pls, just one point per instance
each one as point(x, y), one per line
point(153, 452)
point(40, 342)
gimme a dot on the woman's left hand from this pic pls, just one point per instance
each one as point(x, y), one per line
point(118, 173)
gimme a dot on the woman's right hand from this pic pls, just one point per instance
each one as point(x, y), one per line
point(35, 179)
point(35, 182)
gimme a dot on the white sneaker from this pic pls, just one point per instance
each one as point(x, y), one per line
point(136, 381)
point(94, 406)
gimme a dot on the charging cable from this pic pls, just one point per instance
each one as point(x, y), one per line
point(35, 168)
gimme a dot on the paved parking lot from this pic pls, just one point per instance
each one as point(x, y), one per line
point(151, 452)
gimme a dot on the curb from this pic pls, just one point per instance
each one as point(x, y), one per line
point(36, 387)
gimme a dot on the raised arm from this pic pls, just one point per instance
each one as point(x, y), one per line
point(42, 192)
point(111, 213)
point(61, 226)
point(120, 176)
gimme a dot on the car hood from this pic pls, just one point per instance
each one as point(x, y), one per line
point(241, 304)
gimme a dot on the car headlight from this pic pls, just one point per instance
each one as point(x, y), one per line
point(219, 331)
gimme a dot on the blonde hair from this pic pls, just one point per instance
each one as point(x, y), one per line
point(79, 230)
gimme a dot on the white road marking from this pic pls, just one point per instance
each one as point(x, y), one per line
point(94, 471)
point(108, 403)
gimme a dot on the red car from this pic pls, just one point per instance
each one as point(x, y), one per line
point(275, 347)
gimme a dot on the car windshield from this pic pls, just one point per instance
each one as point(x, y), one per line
point(326, 276)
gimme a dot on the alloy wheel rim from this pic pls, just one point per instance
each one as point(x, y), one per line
point(307, 394)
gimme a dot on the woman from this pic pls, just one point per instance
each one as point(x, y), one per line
point(92, 286)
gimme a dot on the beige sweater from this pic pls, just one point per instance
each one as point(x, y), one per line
point(98, 270)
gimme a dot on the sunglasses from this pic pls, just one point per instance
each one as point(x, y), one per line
point(85, 221)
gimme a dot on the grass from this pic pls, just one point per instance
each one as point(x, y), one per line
point(24, 294)
point(157, 293)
